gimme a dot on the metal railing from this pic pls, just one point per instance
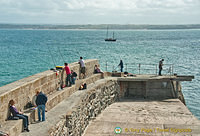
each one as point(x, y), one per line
point(140, 68)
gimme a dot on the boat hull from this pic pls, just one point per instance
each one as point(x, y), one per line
point(110, 40)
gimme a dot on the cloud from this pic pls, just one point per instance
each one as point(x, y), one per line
point(79, 11)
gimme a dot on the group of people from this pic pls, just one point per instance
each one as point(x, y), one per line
point(40, 98)
point(72, 75)
point(39, 101)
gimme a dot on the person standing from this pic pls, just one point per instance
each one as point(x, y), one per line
point(34, 98)
point(160, 67)
point(73, 76)
point(82, 64)
point(20, 115)
point(68, 73)
point(41, 100)
point(121, 65)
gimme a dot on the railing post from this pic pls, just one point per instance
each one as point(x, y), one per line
point(139, 68)
point(156, 69)
point(106, 66)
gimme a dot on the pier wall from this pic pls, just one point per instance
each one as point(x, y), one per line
point(22, 91)
point(102, 95)
point(92, 103)
point(155, 89)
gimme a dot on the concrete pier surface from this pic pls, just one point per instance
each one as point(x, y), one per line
point(145, 117)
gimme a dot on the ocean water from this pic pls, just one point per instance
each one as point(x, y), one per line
point(27, 52)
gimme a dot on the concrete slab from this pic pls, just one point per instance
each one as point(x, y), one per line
point(145, 117)
point(144, 77)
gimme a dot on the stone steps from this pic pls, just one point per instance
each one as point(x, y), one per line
point(14, 127)
point(58, 113)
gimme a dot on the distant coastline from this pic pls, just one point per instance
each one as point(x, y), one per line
point(99, 26)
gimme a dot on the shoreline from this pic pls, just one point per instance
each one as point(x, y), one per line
point(98, 27)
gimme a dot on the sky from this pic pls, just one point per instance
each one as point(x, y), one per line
point(100, 11)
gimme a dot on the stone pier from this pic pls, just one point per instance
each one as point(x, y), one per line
point(111, 104)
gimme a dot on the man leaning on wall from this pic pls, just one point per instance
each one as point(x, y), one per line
point(82, 65)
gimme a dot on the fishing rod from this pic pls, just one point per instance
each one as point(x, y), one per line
point(78, 53)
point(116, 67)
point(60, 54)
point(51, 56)
point(43, 61)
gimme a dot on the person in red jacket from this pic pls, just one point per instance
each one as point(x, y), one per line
point(68, 73)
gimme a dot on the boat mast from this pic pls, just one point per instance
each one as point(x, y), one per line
point(107, 33)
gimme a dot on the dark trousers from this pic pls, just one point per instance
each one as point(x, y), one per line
point(68, 80)
point(25, 119)
point(121, 69)
point(160, 69)
point(73, 79)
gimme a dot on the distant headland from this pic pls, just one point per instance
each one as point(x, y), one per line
point(99, 26)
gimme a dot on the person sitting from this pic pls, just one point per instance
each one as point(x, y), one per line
point(20, 115)
point(83, 86)
point(97, 69)
point(73, 76)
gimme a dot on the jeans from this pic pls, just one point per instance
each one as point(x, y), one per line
point(41, 108)
point(25, 119)
point(68, 80)
point(73, 80)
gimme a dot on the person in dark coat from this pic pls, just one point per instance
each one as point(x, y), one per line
point(20, 115)
point(73, 76)
point(160, 67)
point(121, 65)
point(40, 102)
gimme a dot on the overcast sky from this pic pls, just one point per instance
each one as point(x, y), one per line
point(100, 11)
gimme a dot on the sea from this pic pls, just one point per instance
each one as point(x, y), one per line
point(27, 52)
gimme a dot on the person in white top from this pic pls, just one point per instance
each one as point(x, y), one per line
point(82, 64)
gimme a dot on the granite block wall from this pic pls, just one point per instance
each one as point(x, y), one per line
point(90, 105)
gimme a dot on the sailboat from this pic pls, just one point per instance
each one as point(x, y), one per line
point(110, 39)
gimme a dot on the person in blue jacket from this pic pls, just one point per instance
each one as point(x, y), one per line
point(40, 102)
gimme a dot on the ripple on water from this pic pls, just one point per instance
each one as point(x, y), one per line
point(26, 52)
